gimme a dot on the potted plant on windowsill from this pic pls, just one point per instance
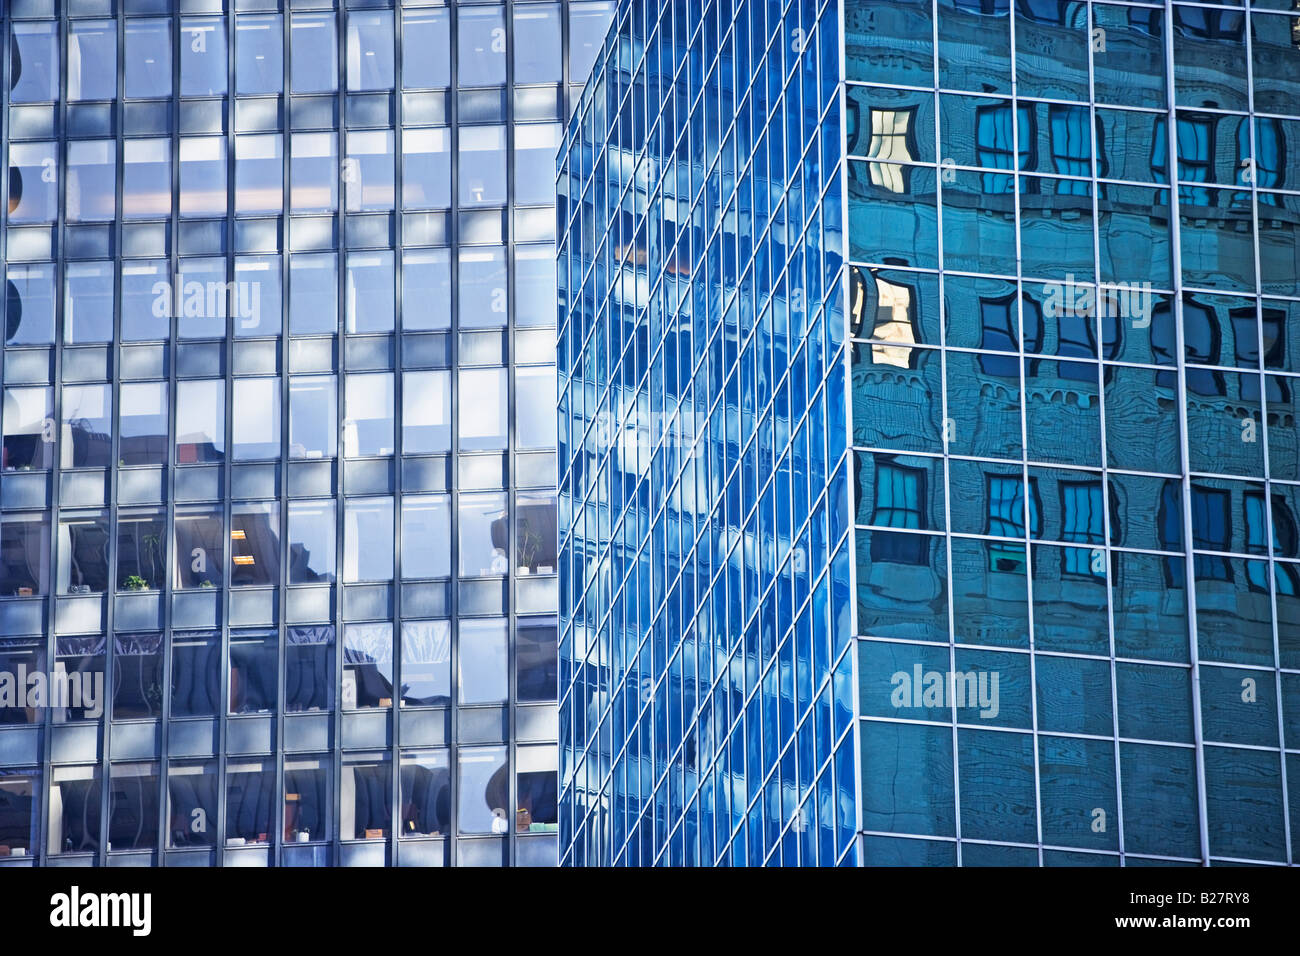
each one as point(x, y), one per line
point(134, 582)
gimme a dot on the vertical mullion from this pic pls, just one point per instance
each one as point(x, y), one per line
point(395, 233)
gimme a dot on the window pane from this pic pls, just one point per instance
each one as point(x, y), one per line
point(426, 536)
point(92, 180)
point(536, 782)
point(83, 555)
point(368, 171)
point(255, 544)
point(20, 794)
point(146, 178)
point(370, 292)
point(534, 285)
point(536, 538)
point(87, 302)
point(196, 675)
point(484, 790)
point(86, 437)
point(481, 46)
point(200, 421)
point(28, 429)
point(259, 66)
point(426, 663)
point(370, 51)
point(313, 416)
point(314, 59)
point(368, 540)
point(24, 555)
point(203, 176)
point(33, 182)
point(74, 815)
point(253, 666)
point(483, 288)
point(482, 408)
point(27, 653)
point(199, 549)
point(256, 300)
point(203, 56)
point(536, 677)
point(484, 535)
point(92, 60)
point(428, 31)
point(367, 666)
point(308, 670)
point(534, 158)
point(192, 803)
point(426, 168)
point(307, 807)
point(138, 666)
point(588, 24)
point(201, 299)
point(426, 793)
point(35, 54)
point(259, 174)
point(311, 541)
point(143, 423)
point(313, 172)
point(426, 289)
point(148, 58)
point(368, 427)
point(141, 550)
point(537, 59)
point(482, 166)
point(483, 670)
point(535, 415)
point(313, 294)
point(367, 798)
point(29, 305)
point(255, 419)
point(250, 799)
point(426, 412)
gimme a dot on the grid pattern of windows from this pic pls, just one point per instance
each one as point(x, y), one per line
point(705, 633)
point(278, 457)
point(1099, 392)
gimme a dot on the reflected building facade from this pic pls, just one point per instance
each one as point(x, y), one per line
point(1068, 307)
point(278, 464)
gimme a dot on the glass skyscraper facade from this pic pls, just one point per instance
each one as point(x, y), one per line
point(1070, 306)
point(278, 444)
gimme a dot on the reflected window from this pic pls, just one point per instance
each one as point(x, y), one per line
point(482, 408)
point(995, 144)
point(1071, 146)
point(196, 675)
point(1211, 531)
point(368, 405)
point(484, 795)
point(137, 676)
point(900, 502)
point(430, 32)
point(892, 142)
point(133, 804)
point(92, 60)
point(258, 55)
point(895, 322)
point(86, 436)
point(24, 555)
point(143, 423)
point(74, 813)
point(83, 555)
point(148, 58)
point(537, 781)
point(426, 536)
point(484, 534)
point(370, 292)
point(426, 663)
point(200, 421)
point(311, 541)
point(368, 540)
point(313, 417)
point(481, 46)
point(536, 676)
point(482, 159)
point(203, 56)
point(87, 302)
point(370, 51)
point(314, 58)
point(34, 49)
point(426, 793)
point(426, 168)
point(250, 802)
point(308, 668)
point(259, 174)
point(253, 668)
point(426, 412)
point(199, 549)
point(1082, 521)
point(141, 551)
point(313, 294)
point(367, 666)
point(29, 304)
point(255, 419)
point(307, 807)
point(313, 172)
point(191, 805)
point(146, 180)
point(28, 429)
point(255, 544)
